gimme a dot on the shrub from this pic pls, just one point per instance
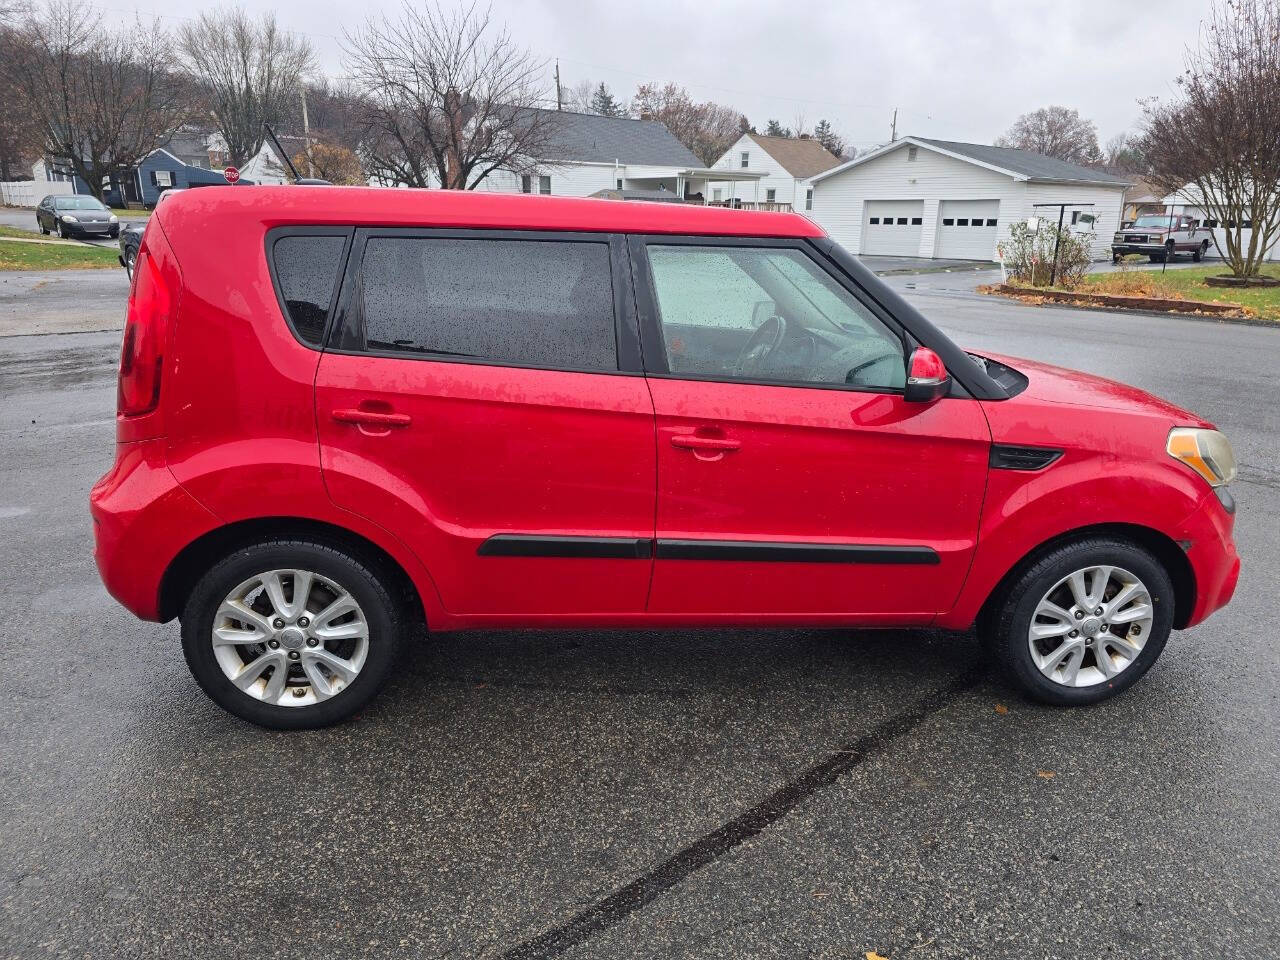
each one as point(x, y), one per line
point(1028, 255)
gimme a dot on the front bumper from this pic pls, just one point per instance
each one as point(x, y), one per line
point(1211, 549)
point(142, 518)
point(1143, 248)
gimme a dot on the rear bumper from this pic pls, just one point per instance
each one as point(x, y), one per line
point(1214, 561)
point(142, 518)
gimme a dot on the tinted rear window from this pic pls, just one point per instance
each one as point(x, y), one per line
point(307, 272)
point(530, 302)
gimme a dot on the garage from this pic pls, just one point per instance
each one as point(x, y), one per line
point(891, 228)
point(967, 229)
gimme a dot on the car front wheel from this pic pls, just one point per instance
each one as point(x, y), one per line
point(1083, 622)
point(291, 634)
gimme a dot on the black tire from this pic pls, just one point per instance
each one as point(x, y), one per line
point(62, 233)
point(1156, 257)
point(40, 224)
point(1200, 251)
point(385, 616)
point(130, 261)
point(1008, 625)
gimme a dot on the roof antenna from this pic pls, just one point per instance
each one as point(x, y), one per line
point(302, 181)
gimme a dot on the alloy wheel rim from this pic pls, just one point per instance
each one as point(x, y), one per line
point(1090, 626)
point(290, 638)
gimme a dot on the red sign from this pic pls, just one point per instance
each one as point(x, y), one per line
point(232, 174)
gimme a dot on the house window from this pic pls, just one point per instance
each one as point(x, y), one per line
point(743, 158)
point(902, 221)
point(916, 221)
point(544, 184)
point(1075, 217)
point(619, 183)
point(526, 183)
point(977, 222)
point(962, 221)
point(717, 193)
point(911, 152)
point(991, 223)
point(808, 199)
point(769, 195)
point(875, 221)
point(162, 178)
point(948, 221)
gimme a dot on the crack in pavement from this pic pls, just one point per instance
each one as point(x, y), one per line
point(712, 846)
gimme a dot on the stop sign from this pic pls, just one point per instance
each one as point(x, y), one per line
point(232, 174)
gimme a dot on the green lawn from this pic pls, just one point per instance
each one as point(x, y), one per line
point(1187, 284)
point(60, 255)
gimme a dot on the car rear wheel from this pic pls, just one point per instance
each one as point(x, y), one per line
point(1200, 251)
point(1083, 622)
point(291, 634)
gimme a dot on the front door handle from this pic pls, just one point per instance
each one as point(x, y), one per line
point(691, 441)
point(372, 418)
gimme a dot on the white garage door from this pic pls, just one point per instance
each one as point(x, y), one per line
point(891, 228)
point(967, 229)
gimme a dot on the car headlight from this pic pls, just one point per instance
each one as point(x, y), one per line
point(1118, 237)
point(1207, 452)
point(113, 219)
point(68, 218)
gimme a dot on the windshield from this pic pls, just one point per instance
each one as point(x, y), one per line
point(78, 203)
point(1153, 220)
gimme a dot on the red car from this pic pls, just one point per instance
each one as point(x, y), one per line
point(362, 412)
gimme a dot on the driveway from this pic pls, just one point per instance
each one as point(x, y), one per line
point(600, 794)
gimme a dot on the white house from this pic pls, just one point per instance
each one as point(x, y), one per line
point(955, 201)
point(1189, 201)
point(787, 163)
point(588, 155)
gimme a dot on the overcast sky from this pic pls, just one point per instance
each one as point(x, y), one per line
point(957, 71)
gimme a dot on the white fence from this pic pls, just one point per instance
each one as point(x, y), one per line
point(27, 193)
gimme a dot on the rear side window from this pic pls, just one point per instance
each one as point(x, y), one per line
point(526, 302)
point(307, 271)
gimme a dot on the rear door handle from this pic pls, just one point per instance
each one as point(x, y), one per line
point(691, 441)
point(372, 418)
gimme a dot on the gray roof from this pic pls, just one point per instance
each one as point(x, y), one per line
point(588, 138)
point(1036, 166)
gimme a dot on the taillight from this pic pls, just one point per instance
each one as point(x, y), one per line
point(145, 330)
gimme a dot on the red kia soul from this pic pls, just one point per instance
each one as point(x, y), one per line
point(349, 414)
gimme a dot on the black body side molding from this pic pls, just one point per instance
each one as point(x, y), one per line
point(1006, 457)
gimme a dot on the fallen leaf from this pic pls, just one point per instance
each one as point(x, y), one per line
point(1001, 709)
point(1047, 774)
point(872, 955)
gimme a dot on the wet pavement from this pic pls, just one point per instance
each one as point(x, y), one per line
point(596, 794)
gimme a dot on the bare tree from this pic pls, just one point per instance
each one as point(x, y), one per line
point(452, 98)
point(578, 97)
point(707, 129)
point(1122, 155)
point(20, 140)
point(1219, 137)
point(1055, 132)
point(251, 71)
point(100, 99)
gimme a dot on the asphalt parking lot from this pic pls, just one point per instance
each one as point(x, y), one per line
point(621, 794)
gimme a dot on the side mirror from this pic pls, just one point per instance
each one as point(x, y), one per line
point(927, 377)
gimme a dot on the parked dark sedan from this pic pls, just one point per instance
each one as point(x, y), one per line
point(76, 216)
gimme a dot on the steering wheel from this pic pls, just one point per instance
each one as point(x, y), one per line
point(766, 339)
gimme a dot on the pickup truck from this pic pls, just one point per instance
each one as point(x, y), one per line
point(1160, 237)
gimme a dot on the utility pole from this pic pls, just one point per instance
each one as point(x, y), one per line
point(893, 127)
point(559, 95)
point(306, 132)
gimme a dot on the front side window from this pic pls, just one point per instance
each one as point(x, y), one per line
point(307, 274)
point(526, 302)
point(767, 314)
